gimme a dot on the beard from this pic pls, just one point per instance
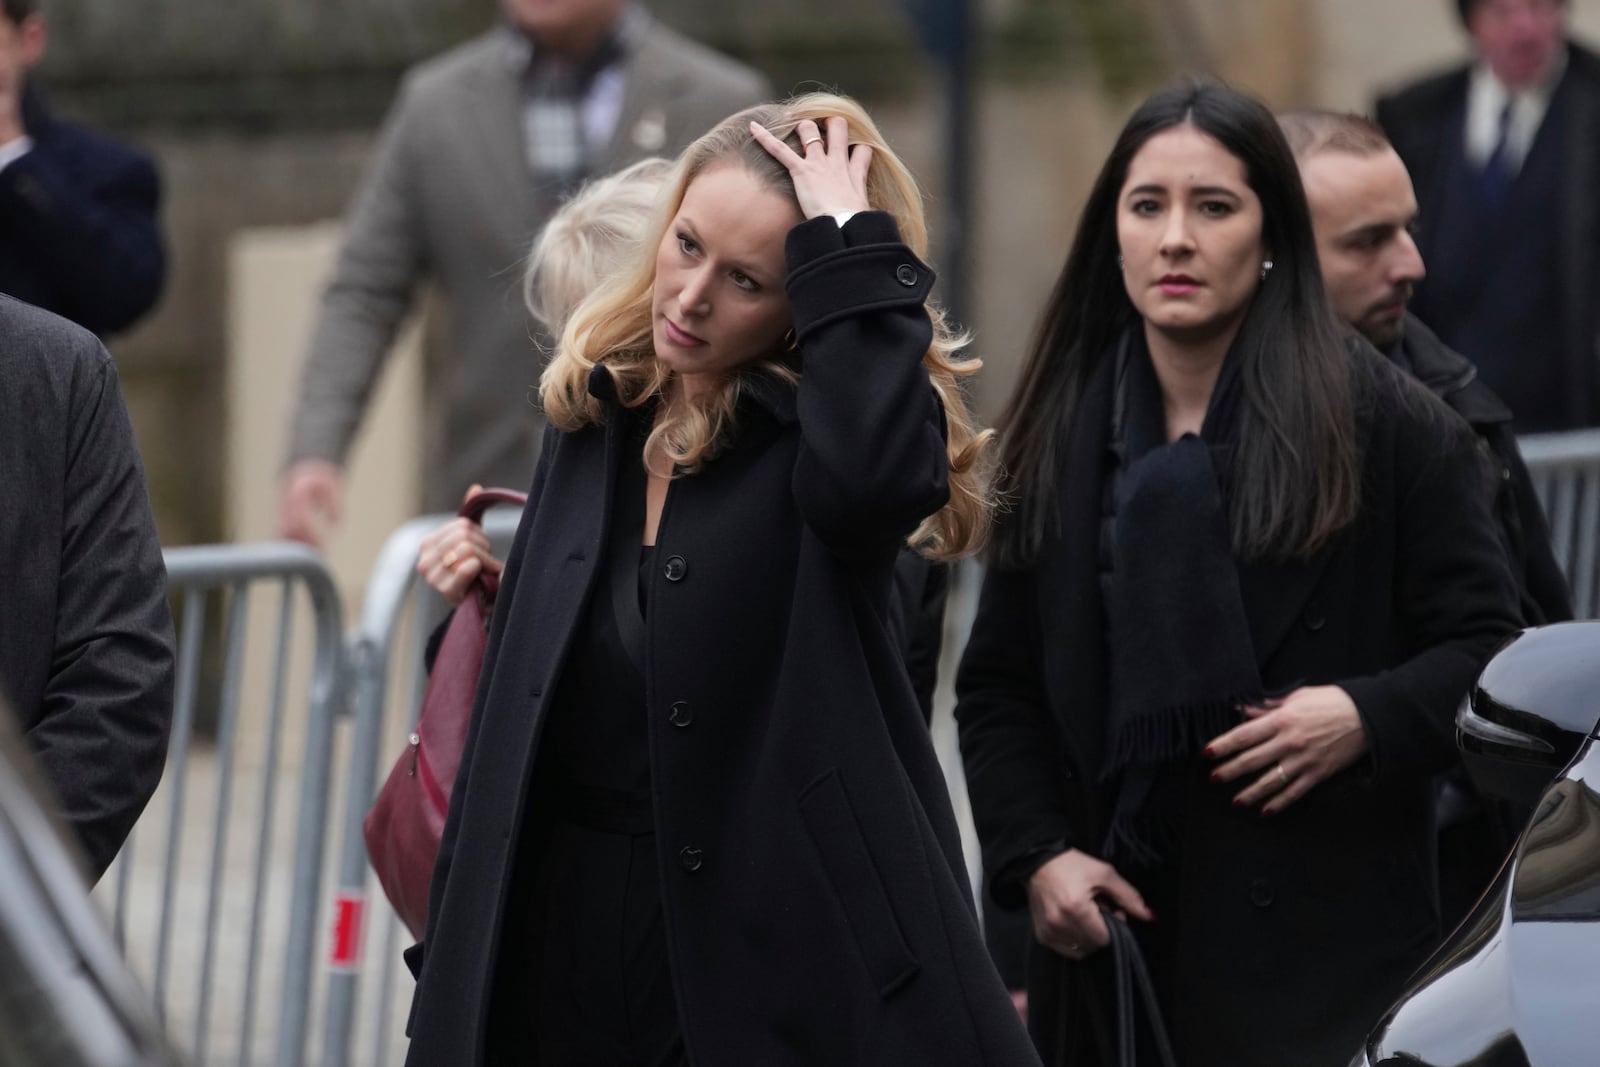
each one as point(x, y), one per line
point(1380, 325)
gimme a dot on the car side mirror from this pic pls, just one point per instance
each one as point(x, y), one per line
point(1533, 705)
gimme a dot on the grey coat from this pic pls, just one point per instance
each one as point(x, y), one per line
point(86, 651)
point(449, 199)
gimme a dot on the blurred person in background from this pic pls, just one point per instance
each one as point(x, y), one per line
point(581, 246)
point(1363, 210)
point(482, 144)
point(86, 646)
point(79, 234)
point(1503, 154)
point(1247, 572)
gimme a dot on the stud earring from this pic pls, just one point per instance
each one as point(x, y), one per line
point(1265, 268)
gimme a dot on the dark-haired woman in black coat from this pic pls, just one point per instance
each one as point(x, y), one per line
point(1248, 572)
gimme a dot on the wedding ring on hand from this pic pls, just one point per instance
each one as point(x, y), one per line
point(808, 143)
point(454, 555)
point(1283, 776)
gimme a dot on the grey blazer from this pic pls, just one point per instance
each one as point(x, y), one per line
point(449, 199)
point(86, 650)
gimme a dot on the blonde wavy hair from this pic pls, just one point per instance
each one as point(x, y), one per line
point(590, 237)
point(612, 327)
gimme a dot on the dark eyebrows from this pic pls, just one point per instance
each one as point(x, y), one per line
point(1151, 189)
point(1370, 230)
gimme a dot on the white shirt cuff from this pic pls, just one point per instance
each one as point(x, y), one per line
point(14, 150)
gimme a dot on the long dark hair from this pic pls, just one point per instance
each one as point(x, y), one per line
point(1296, 476)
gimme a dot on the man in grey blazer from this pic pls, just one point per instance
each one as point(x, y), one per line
point(480, 147)
point(86, 649)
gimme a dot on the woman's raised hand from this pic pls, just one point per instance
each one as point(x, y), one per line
point(829, 175)
point(1064, 899)
point(451, 557)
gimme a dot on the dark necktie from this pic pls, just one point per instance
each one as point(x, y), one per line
point(1497, 174)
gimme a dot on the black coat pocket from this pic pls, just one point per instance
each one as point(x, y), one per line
point(848, 864)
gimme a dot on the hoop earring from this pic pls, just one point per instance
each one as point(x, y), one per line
point(1266, 268)
point(790, 341)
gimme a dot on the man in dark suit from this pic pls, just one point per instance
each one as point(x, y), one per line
point(86, 649)
point(1505, 153)
point(78, 230)
point(478, 151)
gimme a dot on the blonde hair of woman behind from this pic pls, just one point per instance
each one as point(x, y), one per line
point(612, 326)
point(590, 237)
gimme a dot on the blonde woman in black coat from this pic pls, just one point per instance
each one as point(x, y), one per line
point(1248, 572)
point(699, 819)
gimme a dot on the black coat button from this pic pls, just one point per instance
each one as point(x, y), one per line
point(906, 274)
point(691, 858)
point(677, 567)
point(1261, 893)
point(681, 714)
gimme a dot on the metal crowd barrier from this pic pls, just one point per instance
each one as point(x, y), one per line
point(367, 1021)
point(1566, 474)
point(218, 914)
point(236, 932)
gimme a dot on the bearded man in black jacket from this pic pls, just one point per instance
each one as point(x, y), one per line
point(1363, 209)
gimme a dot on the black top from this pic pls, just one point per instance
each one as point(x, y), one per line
point(599, 744)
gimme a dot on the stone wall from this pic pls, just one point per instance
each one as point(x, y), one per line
point(262, 113)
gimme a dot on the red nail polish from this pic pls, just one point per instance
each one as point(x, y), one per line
point(1267, 812)
point(1238, 803)
point(1208, 752)
point(1216, 776)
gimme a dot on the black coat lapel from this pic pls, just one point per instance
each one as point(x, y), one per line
point(1275, 594)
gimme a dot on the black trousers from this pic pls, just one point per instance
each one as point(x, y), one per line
point(589, 967)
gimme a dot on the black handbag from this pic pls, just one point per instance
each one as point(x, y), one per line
point(1133, 988)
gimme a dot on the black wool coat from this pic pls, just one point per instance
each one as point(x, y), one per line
point(1296, 931)
point(813, 887)
point(1543, 590)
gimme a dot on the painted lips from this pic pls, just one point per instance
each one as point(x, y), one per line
point(680, 337)
point(1177, 284)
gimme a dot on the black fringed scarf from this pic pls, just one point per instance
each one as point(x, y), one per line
point(1181, 656)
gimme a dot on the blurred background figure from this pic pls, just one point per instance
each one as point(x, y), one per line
point(578, 249)
point(481, 145)
point(1502, 153)
point(78, 230)
point(86, 648)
